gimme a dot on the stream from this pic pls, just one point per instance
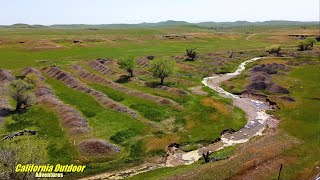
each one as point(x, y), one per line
point(255, 112)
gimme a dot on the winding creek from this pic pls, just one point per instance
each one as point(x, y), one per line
point(257, 120)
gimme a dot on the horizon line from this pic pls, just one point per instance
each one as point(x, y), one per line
point(309, 21)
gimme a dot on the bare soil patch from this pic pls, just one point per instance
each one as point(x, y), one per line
point(198, 90)
point(101, 66)
point(260, 78)
point(98, 147)
point(6, 76)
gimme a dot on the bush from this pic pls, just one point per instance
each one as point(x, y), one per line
point(124, 135)
point(302, 45)
point(191, 53)
point(310, 41)
point(273, 49)
point(20, 91)
point(151, 113)
point(306, 44)
point(89, 114)
point(137, 152)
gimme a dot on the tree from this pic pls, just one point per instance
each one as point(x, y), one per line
point(128, 64)
point(275, 48)
point(306, 44)
point(310, 41)
point(302, 45)
point(191, 53)
point(162, 68)
point(20, 91)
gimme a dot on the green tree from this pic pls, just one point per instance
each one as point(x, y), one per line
point(162, 68)
point(128, 64)
point(302, 45)
point(20, 91)
point(306, 44)
point(310, 41)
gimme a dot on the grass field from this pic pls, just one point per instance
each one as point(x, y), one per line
point(198, 119)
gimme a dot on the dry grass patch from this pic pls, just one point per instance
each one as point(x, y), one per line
point(160, 143)
point(207, 102)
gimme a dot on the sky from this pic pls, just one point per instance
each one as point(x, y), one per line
point(47, 12)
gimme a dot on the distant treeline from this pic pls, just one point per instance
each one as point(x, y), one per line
point(212, 25)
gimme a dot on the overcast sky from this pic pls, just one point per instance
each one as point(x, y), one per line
point(48, 12)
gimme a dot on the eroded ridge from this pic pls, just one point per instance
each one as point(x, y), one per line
point(100, 66)
point(71, 118)
point(97, 79)
point(5, 78)
point(75, 83)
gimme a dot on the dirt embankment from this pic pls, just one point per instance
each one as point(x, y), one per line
point(70, 117)
point(5, 78)
point(97, 79)
point(260, 78)
point(101, 66)
point(258, 159)
point(75, 83)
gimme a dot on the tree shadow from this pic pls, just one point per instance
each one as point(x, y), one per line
point(123, 79)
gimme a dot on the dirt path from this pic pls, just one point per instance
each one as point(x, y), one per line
point(248, 38)
point(257, 120)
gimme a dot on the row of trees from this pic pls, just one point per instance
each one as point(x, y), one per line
point(161, 68)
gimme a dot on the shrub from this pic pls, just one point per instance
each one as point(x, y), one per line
point(191, 53)
point(151, 113)
point(89, 114)
point(121, 136)
point(273, 49)
point(137, 152)
point(306, 44)
point(20, 90)
point(310, 41)
point(302, 45)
